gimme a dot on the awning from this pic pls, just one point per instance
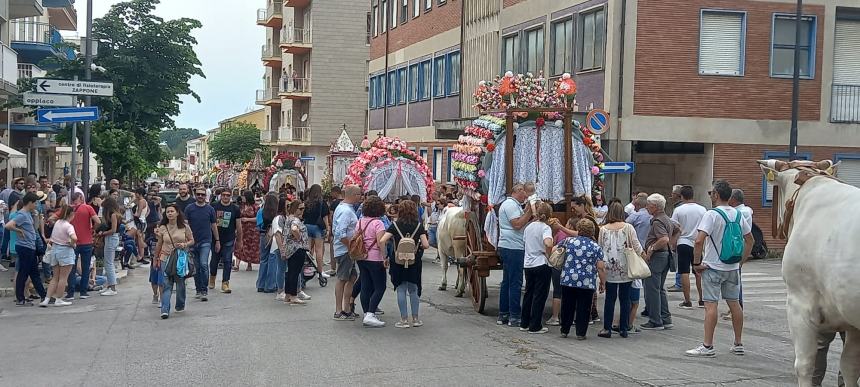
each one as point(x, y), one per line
point(16, 159)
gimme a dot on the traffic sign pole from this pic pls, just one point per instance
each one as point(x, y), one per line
point(88, 75)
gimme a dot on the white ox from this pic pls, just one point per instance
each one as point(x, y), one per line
point(452, 223)
point(821, 263)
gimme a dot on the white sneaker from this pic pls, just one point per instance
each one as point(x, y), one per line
point(325, 275)
point(45, 302)
point(738, 349)
point(701, 351)
point(108, 292)
point(370, 320)
point(60, 302)
point(281, 297)
point(3, 268)
point(304, 296)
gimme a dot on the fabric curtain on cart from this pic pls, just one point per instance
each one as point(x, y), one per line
point(395, 179)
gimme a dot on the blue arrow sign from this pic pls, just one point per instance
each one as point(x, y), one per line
point(619, 167)
point(307, 158)
point(53, 116)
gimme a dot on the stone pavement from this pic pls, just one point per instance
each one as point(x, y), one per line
point(246, 338)
point(7, 280)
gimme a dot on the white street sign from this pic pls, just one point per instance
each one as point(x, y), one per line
point(64, 86)
point(51, 100)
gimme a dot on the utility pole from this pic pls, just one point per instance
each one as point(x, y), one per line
point(795, 87)
point(88, 75)
point(73, 169)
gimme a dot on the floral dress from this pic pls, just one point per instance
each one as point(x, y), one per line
point(250, 251)
point(580, 266)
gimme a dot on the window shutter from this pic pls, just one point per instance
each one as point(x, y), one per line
point(849, 171)
point(846, 72)
point(720, 43)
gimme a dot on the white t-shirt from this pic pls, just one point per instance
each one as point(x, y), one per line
point(746, 212)
point(688, 215)
point(601, 213)
point(629, 209)
point(276, 228)
point(534, 236)
point(713, 224)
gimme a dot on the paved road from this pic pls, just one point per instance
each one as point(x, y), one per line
point(246, 338)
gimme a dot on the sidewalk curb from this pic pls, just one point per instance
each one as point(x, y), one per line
point(10, 292)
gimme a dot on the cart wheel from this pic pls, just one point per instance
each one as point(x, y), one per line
point(478, 286)
point(323, 282)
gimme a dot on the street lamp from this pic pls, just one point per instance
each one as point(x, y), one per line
point(795, 86)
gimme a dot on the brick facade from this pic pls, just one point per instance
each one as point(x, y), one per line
point(667, 78)
point(430, 23)
point(736, 163)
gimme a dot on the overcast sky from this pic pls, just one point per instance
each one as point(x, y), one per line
point(229, 48)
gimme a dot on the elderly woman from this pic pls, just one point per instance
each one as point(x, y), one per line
point(658, 254)
point(579, 278)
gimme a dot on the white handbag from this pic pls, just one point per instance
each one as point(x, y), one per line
point(637, 268)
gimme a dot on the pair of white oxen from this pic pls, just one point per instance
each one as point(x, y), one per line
point(820, 266)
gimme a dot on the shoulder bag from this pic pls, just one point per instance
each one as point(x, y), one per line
point(172, 268)
point(637, 268)
point(558, 255)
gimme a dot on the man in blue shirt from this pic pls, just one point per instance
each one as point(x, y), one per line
point(512, 221)
point(343, 228)
point(201, 217)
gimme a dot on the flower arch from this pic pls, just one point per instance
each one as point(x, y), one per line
point(383, 152)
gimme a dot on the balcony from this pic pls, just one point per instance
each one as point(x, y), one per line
point(19, 9)
point(296, 40)
point(273, 16)
point(270, 56)
point(845, 104)
point(62, 14)
point(8, 71)
point(35, 42)
point(294, 134)
point(268, 97)
point(266, 136)
point(297, 3)
point(296, 88)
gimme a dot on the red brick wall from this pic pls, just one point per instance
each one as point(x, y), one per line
point(736, 163)
point(439, 19)
point(667, 69)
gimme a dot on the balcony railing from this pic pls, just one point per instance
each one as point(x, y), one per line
point(268, 53)
point(265, 136)
point(33, 32)
point(300, 133)
point(845, 104)
point(266, 95)
point(295, 85)
point(9, 65)
point(296, 36)
point(275, 10)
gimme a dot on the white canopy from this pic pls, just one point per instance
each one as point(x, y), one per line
point(15, 159)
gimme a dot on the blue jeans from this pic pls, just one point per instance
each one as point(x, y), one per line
point(271, 273)
point(4, 245)
point(111, 243)
point(431, 235)
point(169, 281)
point(280, 266)
point(410, 289)
point(201, 259)
point(85, 254)
point(678, 280)
point(512, 283)
point(620, 291)
point(225, 256)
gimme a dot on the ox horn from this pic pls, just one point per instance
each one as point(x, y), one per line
point(823, 164)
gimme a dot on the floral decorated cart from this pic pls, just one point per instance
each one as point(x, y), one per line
point(285, 170)
point(529, 132)
point(253, 175)
point(391, 169)
point(340, 156)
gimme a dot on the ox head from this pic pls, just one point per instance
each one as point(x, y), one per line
point(783, 174)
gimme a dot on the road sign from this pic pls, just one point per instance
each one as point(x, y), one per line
point(598, 121)
point(53, 116)
point(619, 167)
point(65, 86)
point(50, 100)
point(307, 158)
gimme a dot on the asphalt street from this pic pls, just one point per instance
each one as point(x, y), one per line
point(248, 339)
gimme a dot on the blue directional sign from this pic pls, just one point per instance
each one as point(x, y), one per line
point(307, 158)
point(54, 116)
point(619, 167)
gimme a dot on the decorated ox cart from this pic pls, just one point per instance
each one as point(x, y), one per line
point(341, 154)
point(392, 170)
point(286, 171)
point(529, 132)
point(253, 175)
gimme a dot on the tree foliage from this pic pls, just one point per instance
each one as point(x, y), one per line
point(150, 61)
point(176, 138)
point(235, 143)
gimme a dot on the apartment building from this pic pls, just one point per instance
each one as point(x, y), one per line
point(315, 60)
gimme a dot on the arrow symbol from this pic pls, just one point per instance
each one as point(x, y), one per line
point(44, 85)
point(617, 167)
point(51, 115)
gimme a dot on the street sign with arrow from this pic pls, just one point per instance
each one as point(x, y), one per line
point(618, 167)
point(65, 86)
point(54, 116)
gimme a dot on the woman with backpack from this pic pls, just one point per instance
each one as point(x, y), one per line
point(405, 269)
point(615, 237)
point(316, 219)
point(372, 268)
point(293, 242)
point(172, 234)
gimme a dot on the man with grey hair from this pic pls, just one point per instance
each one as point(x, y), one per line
point(343, 228)
point(512, 221)
point(737, 201)
point(657, 254)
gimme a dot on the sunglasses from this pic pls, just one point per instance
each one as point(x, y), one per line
point(200, 194)
point(302, 208)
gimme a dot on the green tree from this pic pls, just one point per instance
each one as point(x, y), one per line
point(150, 61)
point(235, 143)
point(176, 139)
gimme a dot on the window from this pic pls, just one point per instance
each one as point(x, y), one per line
point(380, 91)
point(428, 4)
point(384, 16)
point(416, 8)
point(452, 81)
point(767, 187)
point(592, 30)
point(450, 160)
point(439, 76)
point(533, 40)
point(849, 168)
point(393, 14)
point(721, 43)
point(404, 11)
point(510, 53)
point(561, 47)
point(424, 73)
point(441, 2)
point(401, 86)
point(391, 90)
point(413, 83)
point(371, 93)
point(437, 164)
point(423, 153)
point(369, 26)
point(375, 15)
point(782, 54)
